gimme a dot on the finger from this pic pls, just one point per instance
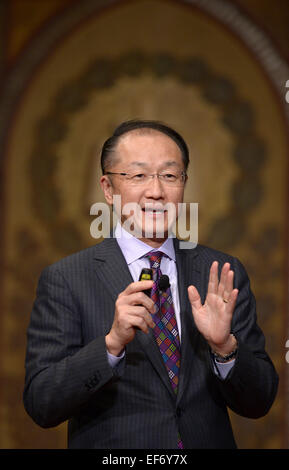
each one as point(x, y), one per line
point(213, 279)
point(142, 312)
point(194, 298)
point(228, 285)
point(223, 279)
point(139, 298)
point(233, 300)
point(141, 324)
point(137, 286)
point(128, 313)
point(139, 317)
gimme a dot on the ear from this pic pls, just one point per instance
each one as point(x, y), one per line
point(107, 188)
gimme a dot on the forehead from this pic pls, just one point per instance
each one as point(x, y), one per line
point(146, 147)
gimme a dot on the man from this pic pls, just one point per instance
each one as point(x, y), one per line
point(129, 370)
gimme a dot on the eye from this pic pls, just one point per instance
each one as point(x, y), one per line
point(169, 177)
point(138, 176)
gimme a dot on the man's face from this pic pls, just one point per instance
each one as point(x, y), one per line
point(148, 153)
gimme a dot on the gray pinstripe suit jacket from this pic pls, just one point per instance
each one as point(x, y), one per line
point(133, 406)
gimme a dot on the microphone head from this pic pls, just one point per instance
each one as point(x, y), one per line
point(164, 282)
point(146, 274)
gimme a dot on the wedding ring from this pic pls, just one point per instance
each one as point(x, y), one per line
point(226, 301)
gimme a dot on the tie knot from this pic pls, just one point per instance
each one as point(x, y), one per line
point(155, 259)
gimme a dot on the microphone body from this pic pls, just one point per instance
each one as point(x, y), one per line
point(147, 275)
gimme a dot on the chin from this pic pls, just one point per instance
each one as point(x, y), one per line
point(154, 227)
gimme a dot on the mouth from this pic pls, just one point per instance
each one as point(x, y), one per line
point(154, 214)
point(154, 210)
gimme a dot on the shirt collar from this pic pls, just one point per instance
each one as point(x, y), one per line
point(133, 248)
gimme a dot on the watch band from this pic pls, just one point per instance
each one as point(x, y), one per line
point(226, 357)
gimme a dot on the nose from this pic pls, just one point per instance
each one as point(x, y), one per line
point(154, 189)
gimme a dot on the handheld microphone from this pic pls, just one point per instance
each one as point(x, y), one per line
point(146, 275)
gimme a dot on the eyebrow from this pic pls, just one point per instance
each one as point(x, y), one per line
point(143, 164)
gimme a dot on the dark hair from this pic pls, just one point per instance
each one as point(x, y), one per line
point(127, 126)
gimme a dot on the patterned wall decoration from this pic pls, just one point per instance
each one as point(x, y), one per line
point(193, 64)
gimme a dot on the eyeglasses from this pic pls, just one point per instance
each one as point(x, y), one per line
point(173, 179)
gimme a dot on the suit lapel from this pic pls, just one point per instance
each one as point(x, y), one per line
point(189, 273)
point(111, 268)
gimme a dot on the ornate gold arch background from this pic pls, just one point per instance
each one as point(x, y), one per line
point(203, 67)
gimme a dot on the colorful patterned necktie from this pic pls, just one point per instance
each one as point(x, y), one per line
point(166, 329)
